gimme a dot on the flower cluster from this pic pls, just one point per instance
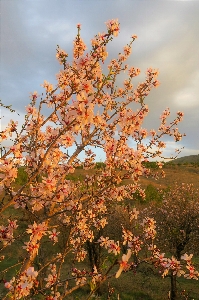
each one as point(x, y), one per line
point(149, 228)
point(26, 281)
point(9, 130)
point(111, 245)
point(37, 231)
point(79, 276)
point(124, 263)
point(175, 267)
point(52, 277)
point(113, 26)
point(193, 273)
point(8, 172)
point(53, 235)
point(6, 232)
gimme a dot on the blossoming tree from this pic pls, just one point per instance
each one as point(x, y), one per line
point(177, 221)
point(85, 109)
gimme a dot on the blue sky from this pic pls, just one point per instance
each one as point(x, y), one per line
point(167, 40)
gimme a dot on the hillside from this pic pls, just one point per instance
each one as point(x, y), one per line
point(186, 159)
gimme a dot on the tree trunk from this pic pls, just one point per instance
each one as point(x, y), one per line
point(94, 256)
point(173, 294)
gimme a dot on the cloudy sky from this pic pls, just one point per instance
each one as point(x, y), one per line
point(167, 40)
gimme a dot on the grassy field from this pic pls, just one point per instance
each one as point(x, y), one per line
point(146, 283)
point(176, 173)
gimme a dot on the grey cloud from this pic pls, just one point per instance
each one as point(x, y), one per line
point(167, 39)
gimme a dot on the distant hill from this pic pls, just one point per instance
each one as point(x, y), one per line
point(186, 159)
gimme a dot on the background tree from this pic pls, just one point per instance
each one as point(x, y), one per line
point(177, 221)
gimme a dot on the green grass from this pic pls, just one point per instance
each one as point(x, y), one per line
point(141, 286)
point(145, 284)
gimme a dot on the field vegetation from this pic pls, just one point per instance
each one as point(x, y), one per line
point(146, 282)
